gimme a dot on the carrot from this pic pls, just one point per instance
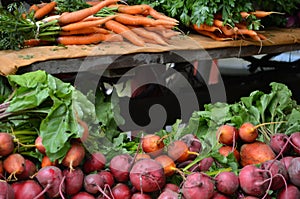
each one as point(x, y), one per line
point(261, 14)
point(50, 18)
point(88, 30)
point(227, 30)
point(92, 3)
point(246, 32)
point(34, 42)
point(169, 33)
point(261, 36)
point(112, 37)
point(81, 39)
point(83, 13)
point(141, 20)
point(245, 14)
point(134, 9)
point(158, 15)
point(33, 8)
point(40, 13)
point(125, 32)
point(206, 27)
point(213, 36)
point(86, 24)
point(149, 35)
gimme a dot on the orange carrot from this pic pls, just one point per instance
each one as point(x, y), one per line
point(158, 15)
point(134, 9)
point(261, 14)
point(40, 13)
point(261, 36)
point(246, 32)
point(34, 42)
point(245, 14)
point(206, 27)
point(112, 37)
point(86, 24)
point(88, 30)
point(227, 30)
point(50, 18)
point(81, 39)
point(141, 20)
point(33, 8)
point(92, 3)
point(125, 32)
point(149, 35)
point(83, 13)
point(213, 36)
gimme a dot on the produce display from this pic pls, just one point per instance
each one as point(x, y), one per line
point(56, 143)
point(80, 22)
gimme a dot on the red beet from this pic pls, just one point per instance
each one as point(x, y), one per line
point(227, 182)
point(286, 161)
point(73, 180)
point(74, 156)
point(14, 164)
point(206, 163)
point(83, 195)
point(193, 143)
point(27, 189)
point(140, 196)
point(294, 171)
point(93, 183)
point(30, 170)
point(50, 178)
point(147, 175)
point(107, 178)
point(295, 141)
point(7, 191)
point(168, 194)
point(121, 191)
point(290, 192)
point(95, 162)
point(198, 185)
point(119, 166)
point(279, 143)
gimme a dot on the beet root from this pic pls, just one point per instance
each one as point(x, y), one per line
point(279, 143)
point(93, 183)
point(168, 194)
point(95, 162)
point(198, 185)
point(252, 180)
point(27, 189)
point(7, 191)
point(6, 144)
point(290, 192)
point(227, 182)
point(147, 175)
point(120, 166)
point(50, 178)
point(30, 170)
point(294, 171)
point(73, 180)
point(140, 196)
point(83, 195)
point(121, 191)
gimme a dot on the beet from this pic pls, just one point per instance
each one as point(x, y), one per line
point(294, 171)
point(295, 141)
point(93, 183)
point(7, 191)
point(152, 144)
point(6, 144)
point(120, 166)
point(30, 170)
point(276, 167)
point(83, 195)
point(218, 195)
point(193, 144)
point(279, 143)
point(14, 164)
point(290, 192)
point(95, 162)
point(74, 156)
point(198, 185)
point(286, 161)
point(73, 180)
point(172, 187)
point(107, 178)
point(168, 194)
point(140, 196)
point(39, 145)
point(147, 175)
point(121, 191)
point(252, 180)
point(248, 132)
point(227, 134)
point(27, 189)
point(227, 182)
point(50, 178)
point(206, 163)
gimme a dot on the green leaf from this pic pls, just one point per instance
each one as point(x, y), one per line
point(28, 80)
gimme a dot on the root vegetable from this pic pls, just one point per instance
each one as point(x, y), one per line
point(140, 196)
point(255, 153)
point(179, 152)
point(247, 132)
point(120, 166)
point(227, 182)
point(107, 178)
point(279, 143)
point(226, 150)
point(290, 192)
point(39, 145)
point(7, 191)
point(168, 194)
point(93, 183)
point(227, 134)
point(286, 161)
point(47, 162)
point(83, 195)
point(218, 195)
point(95, 162)
point(168, 164)
point(140, 156)
point(198, 185)
point(121, 191)
point(30, 170)
point(153, 144)
point(193, 143)
point(6, 144)
point(253, 181)
point(73, 181)
point(278, 171)
point(294, 171)
point(14, 164)
point(50, 178)
point(172, 187)
point(27, 189)
point(74, 156)
point(206, 163)
point(147, 175)
point(295, 142)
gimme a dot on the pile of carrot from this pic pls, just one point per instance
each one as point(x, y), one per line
point(220, 31)
point(138, 24)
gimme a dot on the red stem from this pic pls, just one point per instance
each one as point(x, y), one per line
point(43, 192)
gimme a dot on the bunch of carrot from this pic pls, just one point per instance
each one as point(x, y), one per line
point(138, 24)
point(221, 31)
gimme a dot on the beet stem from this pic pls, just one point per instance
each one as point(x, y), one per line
point(104, 194)
point(60, 187)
